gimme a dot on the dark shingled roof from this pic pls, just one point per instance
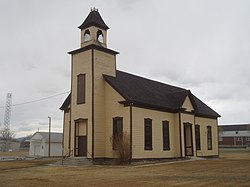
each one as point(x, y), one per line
point(94, 19)
point(156, 95)
point(242, 127)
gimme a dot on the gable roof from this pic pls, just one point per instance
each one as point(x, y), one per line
point(54, 136)
point(151, 94)
point(66, 103)
point(147, 93)
point(242, 127)
point(94, 19)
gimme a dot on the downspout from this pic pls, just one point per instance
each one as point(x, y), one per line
point(180, 134)
point(131, 125)
point(195, 137)
point(93, 118)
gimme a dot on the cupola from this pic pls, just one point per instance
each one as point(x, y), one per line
point(94, 30)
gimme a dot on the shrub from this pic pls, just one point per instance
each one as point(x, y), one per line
point(121, 145)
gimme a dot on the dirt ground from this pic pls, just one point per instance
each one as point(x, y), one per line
point(232, 169)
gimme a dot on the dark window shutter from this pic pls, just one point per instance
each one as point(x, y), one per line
point(117, 130)
point(81, 84)
point(165, 131)
point(197, 137)
point(209, 137)
point(148, 134)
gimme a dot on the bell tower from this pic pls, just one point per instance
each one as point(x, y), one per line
point(87, 132)
point(94, 30)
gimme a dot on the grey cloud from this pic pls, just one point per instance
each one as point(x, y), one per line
point(24, 128)
point(43, 124)
point(202, 46)
point(31, 67)
point(128, 4)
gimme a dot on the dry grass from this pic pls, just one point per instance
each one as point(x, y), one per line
point(15, 153)
point(18, 164)
point(232, 169)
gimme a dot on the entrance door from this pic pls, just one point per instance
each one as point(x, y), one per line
point(82, 146)
point(188, 138)
point(81, 137)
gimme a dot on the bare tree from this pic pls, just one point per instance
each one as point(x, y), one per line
point(121, 145)
point(24, 143)
point(6, 136)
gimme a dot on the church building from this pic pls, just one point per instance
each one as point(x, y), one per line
point(161, 120)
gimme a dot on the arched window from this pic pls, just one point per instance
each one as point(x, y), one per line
point(117, 132)
point(86, 36)
point(99, 36)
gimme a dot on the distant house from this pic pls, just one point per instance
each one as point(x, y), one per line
point(234, 135)
point(39, 144)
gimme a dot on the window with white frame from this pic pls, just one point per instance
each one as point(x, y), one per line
point(238, 139)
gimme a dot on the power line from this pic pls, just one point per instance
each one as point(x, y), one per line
point(37, 100)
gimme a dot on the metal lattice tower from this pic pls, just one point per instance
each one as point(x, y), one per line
point(7, 113)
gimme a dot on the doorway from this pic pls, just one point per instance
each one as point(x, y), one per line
point(188, 139)
point(82, 145)
point(80, 138)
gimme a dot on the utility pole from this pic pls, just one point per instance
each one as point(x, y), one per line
point(49, 133)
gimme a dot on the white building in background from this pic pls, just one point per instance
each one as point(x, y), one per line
point(39, 144)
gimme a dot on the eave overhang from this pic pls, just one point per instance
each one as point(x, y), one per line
point(93, 46)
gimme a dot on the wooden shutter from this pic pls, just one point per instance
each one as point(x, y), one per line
point(209, 137)
point(165, 131)
point(197, 137)
point(81, 83)
point(148, 134)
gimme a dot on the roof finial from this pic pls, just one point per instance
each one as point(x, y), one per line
point(94, 9)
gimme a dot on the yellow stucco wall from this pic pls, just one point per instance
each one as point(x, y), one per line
point(81, 64)
point(93, 36)
point(114, 109)
point(204, 122)
point(187, 105)
point(103, 64)
point(139, 114)
point(66, 122)
point(107, 107)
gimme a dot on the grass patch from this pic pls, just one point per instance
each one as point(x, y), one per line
point(232, 169)
point(15, 153)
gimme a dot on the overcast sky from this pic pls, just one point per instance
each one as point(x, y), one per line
point(199, 45)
